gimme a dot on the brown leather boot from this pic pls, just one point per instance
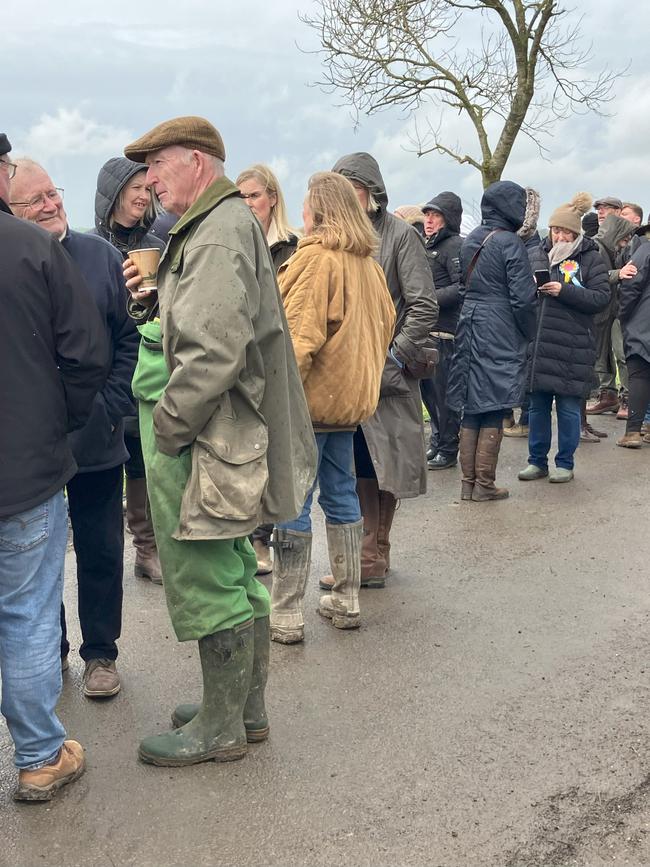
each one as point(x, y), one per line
point(387, 507)
point(607, 401)
point(147, 563)
point(467, 455)
point(487, 456)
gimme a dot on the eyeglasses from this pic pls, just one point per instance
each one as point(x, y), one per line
point(10, 168)
point(39, 202)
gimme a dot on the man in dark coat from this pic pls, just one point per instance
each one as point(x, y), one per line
point(54, 356)
point(389, 447)
point(95, 492)
point(442, 218)
point(496, 324)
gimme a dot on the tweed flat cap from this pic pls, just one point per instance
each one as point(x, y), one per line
point(5, 147)
point(609, 202)
point(195, 133)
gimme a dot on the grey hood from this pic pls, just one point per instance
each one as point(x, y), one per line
point(112, 177)
point(612, 230)
point(364, 169)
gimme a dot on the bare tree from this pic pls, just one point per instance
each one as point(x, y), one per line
point(509, 66)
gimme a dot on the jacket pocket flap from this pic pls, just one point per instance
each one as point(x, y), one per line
point(233, 442)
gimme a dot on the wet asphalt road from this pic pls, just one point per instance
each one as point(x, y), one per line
point(492, 710)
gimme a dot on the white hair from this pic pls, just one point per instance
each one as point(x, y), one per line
point(217, 164)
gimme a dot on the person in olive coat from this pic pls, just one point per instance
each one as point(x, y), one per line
point(497, 322)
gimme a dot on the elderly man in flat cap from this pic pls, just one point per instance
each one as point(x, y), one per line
point(226, 433)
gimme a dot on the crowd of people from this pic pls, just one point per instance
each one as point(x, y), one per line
point(270, 364)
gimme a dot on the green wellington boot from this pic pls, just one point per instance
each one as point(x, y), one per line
point(255, 719)
point(217, 731)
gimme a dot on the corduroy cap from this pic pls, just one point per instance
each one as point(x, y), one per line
point(195, 133)
point(609, 202)
point(5, 147)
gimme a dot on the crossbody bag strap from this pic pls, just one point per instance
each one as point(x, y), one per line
point(472, 264)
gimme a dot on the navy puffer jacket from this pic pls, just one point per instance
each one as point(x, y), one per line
point(563, 353)
point(497, 320)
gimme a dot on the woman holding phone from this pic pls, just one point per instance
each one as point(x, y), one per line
point(563, 353)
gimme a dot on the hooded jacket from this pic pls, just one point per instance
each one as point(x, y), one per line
point(443, 253)
point(497, 319)
point(610, 233)
point(563, 353)
point(54, 358)
point(112, 178)
point(394, 434)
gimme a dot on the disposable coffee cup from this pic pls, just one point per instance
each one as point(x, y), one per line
point(146, 261)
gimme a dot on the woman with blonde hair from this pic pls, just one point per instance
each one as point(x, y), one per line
point(341, 318)
point(261, 191)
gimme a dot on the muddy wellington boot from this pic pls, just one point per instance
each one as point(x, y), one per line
point(375, 546)
point(487, 456)
point(147, 564)
point(341, 606)
point(217, 731)
point(255, 718)
point(467, 454)
point(290, 572)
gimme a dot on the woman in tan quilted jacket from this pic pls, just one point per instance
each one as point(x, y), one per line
point(341, 318)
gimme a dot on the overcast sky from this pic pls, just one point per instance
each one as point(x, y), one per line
point(82, 81)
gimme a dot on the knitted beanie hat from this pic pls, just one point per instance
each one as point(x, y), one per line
point(570, 216)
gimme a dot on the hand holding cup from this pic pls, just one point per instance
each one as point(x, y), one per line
point(141, 272)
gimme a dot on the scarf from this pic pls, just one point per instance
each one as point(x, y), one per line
point(563, 250)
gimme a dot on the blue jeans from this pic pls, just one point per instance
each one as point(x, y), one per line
point(32, 553)
point(539, 428)
point(336, 478)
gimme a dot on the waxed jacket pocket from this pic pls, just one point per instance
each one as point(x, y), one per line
point(393, 380)
point(229, 469)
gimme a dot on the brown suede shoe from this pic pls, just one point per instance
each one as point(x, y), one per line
point(630, 441)
point(588, 434)
point(607, 401)
point(42, 783)
point(624, 409)
point(101, 679)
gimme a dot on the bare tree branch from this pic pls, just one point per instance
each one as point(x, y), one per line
point(513, 61)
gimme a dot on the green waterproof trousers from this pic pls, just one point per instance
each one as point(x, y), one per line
point(209, 585)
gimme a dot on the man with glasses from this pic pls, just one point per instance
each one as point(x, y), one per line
point(95, 492)
point(53, 355)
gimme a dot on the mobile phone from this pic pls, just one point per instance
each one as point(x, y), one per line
point(542, 277)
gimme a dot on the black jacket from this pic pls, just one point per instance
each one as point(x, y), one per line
point(282, 251)
point(53, 356)
point(563, 353)
point(443, 253)
point(634, 306)
point(497, 319)
point(112, 178)
point(100, 444)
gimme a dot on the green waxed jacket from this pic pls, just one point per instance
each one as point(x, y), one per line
point(234, 395)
